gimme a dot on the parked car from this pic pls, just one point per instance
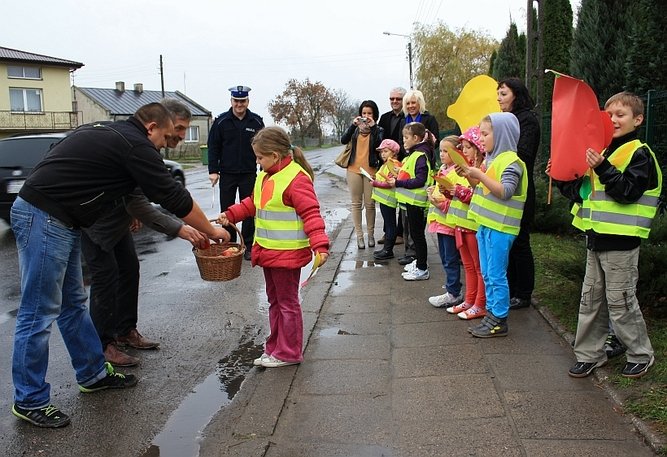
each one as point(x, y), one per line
point(20, 154)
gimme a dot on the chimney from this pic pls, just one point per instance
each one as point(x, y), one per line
point(120, 86)
point(138, 88)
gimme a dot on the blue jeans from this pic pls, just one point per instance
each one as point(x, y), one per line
point(494, 251)
point(451, 262)
point(51, 290)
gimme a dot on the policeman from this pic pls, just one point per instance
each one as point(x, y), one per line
point(231, 160)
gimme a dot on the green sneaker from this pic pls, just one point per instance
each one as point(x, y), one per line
point(47, 417)
point(112, 380)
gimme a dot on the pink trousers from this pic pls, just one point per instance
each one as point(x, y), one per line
point(282, 289)
point(467, 244)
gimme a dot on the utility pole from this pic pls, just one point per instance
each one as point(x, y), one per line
point(409, 52)
point(162, 75)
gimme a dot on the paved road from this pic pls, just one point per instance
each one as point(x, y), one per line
point(208, 331)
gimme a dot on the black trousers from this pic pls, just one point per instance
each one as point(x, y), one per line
point(114, 287)
point(229, 185)
point(417, 225)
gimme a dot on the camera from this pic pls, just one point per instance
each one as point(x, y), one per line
point(364, 120)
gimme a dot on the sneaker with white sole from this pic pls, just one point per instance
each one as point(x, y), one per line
point(272, 362)
point(456, 309)
point(411, 266)
point(446, 299)
point(473, 312)
point(258, 361)
point(416, 275)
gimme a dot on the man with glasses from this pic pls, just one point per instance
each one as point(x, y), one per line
point(231, 160)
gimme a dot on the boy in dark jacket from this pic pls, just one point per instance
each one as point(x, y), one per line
point(615, 210)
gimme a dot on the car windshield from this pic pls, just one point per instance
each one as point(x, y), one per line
point(24, 153)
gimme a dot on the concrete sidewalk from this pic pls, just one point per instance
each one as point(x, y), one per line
point(386, 374)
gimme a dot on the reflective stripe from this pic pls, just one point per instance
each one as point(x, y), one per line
point(491, 215)
point(645, 200)
point(385, 196)
point(410, 194)
point(290, 235)
point(277, 215)
point(616, 218)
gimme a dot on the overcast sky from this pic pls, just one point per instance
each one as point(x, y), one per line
point(210, 45)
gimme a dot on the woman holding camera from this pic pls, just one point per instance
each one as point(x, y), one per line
point(366, 136)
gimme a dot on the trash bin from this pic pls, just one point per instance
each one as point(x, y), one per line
point(204, 154)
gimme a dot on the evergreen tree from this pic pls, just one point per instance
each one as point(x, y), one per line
point(494, 56)
point(646, 66)
point(557, 17)
point(509, 61)
point(600, 45)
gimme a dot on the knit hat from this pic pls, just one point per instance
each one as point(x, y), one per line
point(472, 135)
point(389, 144)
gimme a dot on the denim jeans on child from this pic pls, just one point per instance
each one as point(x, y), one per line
point(451, 262)
point(51, 290)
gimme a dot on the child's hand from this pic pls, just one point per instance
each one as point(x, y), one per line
point(222, 219)
point(472, 172)
point(392, 182)
point(593, 158)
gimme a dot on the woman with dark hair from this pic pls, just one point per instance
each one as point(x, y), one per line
point(513, 97)
point(366, 136)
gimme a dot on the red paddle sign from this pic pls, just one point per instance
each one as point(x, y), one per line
point(576, 125)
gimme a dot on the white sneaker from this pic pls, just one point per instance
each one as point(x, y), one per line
point(411, 266)
point(416, 275)
point(272, 362)
point(258, 361)
point(445, 299)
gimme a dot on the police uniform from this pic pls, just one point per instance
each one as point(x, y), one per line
point(230, 154)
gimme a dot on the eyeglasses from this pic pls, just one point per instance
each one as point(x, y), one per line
point(395, 99)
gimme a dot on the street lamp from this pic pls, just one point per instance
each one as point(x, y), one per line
point(409, 51)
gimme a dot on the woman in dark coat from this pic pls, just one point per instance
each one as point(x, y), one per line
point(513, 97)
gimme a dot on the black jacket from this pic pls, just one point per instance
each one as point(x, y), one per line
point(527, 146)
point(89, 171)
point(431, 125)
point(377, 135)
point(229, 143)
point(385, 122)
point(626, 187)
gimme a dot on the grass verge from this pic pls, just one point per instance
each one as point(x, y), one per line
point(559, 269)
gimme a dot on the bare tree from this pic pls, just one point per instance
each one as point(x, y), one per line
point(343, 112)
point(303, 107)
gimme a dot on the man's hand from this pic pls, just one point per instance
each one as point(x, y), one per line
point(214, 178)
point(194, 236)
point(220, 235)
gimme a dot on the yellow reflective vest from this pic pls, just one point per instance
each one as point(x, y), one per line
point(602, 214)
point(490, 211)
point(434, 212)
point(385, 196)
point(457, 214)
point(277, 226)
point(418, 196)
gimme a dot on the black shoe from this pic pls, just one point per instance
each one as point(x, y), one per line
point(583, 369)
point(637, 370)
point(112, 380)
point(246, 254)
point(518, 303)
point(406, 260)
point(383, 254)
point(47, 417)
point(613, 347)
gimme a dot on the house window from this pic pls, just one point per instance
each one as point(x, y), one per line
point(14, 71)
point(192, 134)
point(25, 100)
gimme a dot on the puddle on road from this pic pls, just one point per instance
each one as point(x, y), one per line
point(347, 265)
point(181, 435)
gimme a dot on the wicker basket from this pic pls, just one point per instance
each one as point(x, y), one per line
point(213, 266)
